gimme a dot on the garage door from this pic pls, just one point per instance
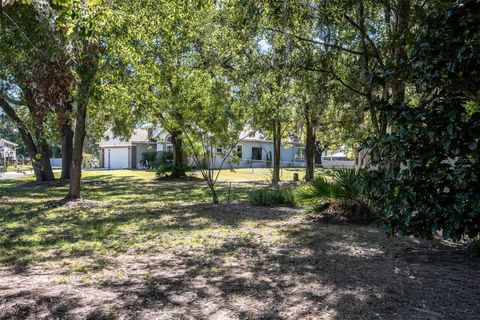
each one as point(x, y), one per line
point(118, 158)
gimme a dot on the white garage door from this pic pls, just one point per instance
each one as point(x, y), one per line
point(118, 158)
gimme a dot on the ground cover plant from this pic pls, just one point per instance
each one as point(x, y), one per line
point(343, 196)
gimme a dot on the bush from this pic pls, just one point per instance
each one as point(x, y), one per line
point(163, 169)
point(166, 157)
point(149, 159)
point(343, 198)
point(272, 196)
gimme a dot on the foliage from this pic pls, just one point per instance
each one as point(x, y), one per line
point(346, 184)
point(149, 159)
point(166, 157)
point(474, 247)
point(341, 198)
point(88, 160)
point(272, 196)
point(163, 169)
point(429, 163)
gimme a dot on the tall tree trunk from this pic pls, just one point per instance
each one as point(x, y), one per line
point(44, 159)
point(87, 71)
point(178, 169)
point(399, 54)
point(309, 150)
point(42, 171)
point(277, 140)
point(77, 154)
point(67, 150)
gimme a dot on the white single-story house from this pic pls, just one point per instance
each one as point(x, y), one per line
point(252, 151)
point(8, 151)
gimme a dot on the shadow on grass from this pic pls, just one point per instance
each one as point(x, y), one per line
point(138, 209)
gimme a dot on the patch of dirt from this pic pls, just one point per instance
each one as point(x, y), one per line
point(265, 263)
point(76, 203)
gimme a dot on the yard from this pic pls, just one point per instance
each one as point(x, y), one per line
point(147, 249)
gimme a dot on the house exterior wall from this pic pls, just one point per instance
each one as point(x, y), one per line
point(287, 156)
point(8, 150)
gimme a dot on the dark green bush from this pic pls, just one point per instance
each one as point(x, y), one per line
point(272, 196)
point(435, 138)
point(166, 157)
point(149, 159)
point(163, 169)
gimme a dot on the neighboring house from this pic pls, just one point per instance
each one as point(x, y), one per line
point(338, 159)
point(8, 152)
point(125, 154)
point(253, 151)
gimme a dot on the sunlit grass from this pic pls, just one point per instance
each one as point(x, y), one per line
point(134, 212)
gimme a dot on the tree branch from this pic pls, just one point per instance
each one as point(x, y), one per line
point(336, 77)
point(372, 43)
point(331, 45)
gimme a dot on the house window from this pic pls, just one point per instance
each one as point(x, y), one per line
point(169, 148)
point(239, 152)
point(300, 154)
point(256, 153)
point(219, 150)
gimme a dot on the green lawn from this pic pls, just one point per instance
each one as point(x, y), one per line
point(148, 249)
point(27, 168)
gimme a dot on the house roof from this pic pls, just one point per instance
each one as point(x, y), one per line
point(249, 135)
point(9, 142)
point(139, 135)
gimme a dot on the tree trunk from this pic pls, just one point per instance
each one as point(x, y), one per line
point(399, 54)
point(87, 71)
point(67, 150)
point(309, 149)
point(178, 169)
point(213, 191)
point(77, 154)
point(277, 140)
point(44, 160)
point(42, 171)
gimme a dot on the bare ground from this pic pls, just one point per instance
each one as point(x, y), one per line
point(282, 266)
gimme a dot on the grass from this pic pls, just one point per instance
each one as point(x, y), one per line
point(263, 174)
point(19, 168)
point(134, 211)
point(144, 248)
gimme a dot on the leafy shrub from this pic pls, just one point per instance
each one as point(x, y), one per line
point(149, 159)
point(347, 184)
point(343, 198)
point(163, 169)
point(436, 139)
point(166, 157)
point(272, 196)
point(166, 165)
